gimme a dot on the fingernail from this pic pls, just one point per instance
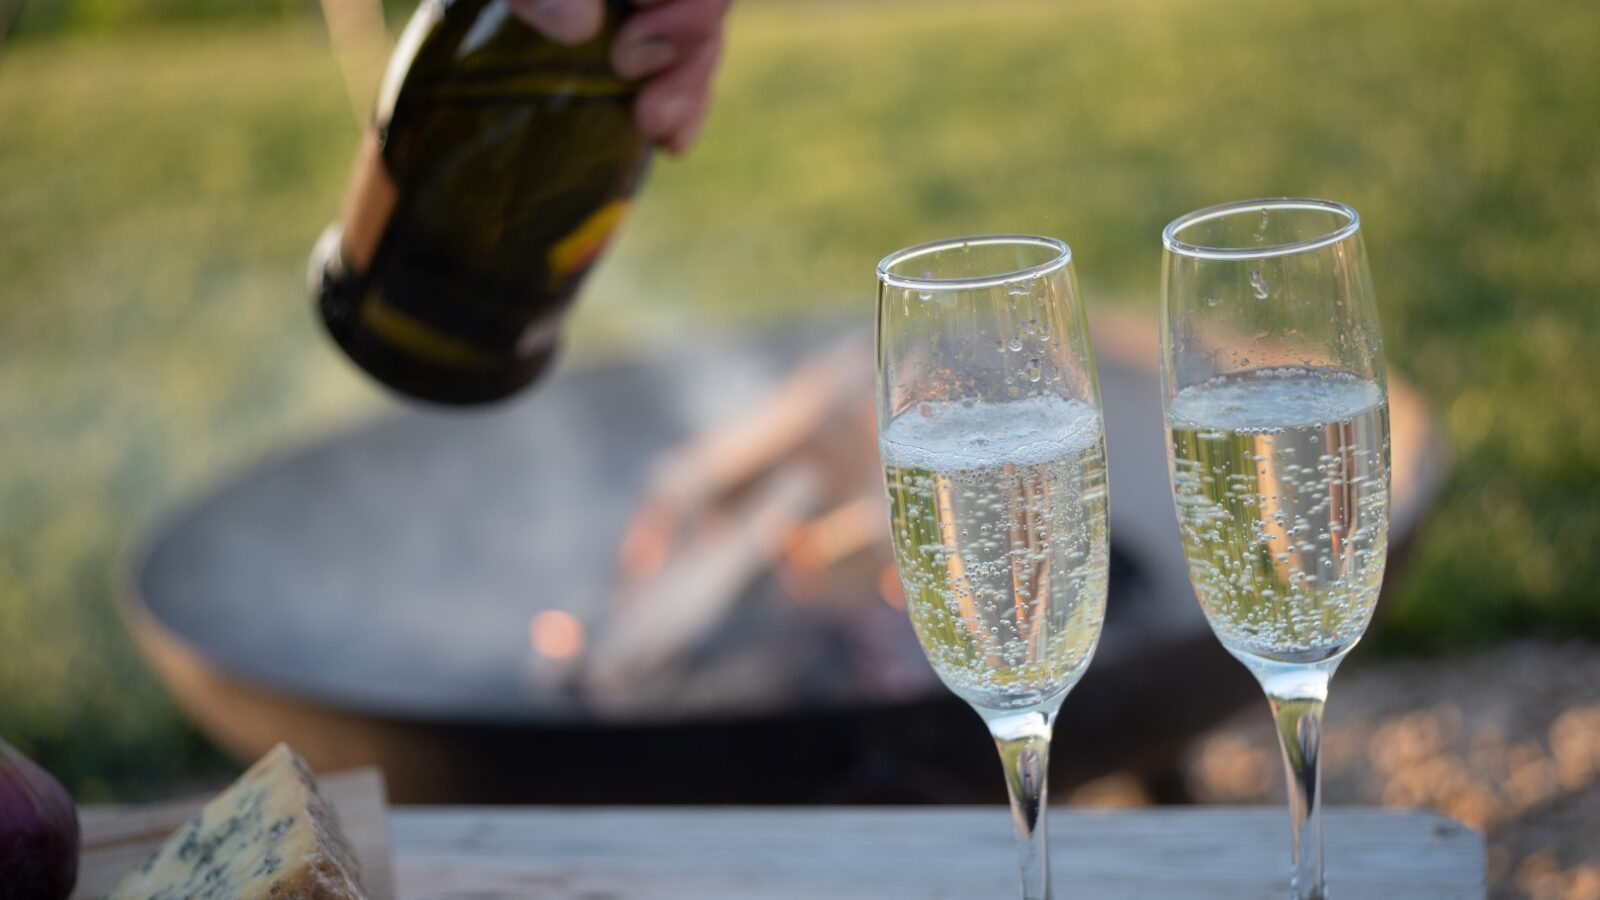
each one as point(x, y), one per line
point(669, 112)
point(566, 21)
point(642, 56)
point(685, 138)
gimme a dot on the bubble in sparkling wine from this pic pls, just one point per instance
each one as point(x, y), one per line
point(1258, 284)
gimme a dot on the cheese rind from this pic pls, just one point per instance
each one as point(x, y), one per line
point(269, 835)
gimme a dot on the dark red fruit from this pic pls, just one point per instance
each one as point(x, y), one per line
point(38, 832)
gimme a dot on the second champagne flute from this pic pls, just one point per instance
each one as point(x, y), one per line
point(1278, 426)
point(993, 452)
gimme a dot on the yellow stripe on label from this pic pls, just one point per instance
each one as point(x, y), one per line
point(408, 335)
point(579, 248)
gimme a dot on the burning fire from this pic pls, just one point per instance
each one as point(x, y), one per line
point(889, 587)
point(556, 634)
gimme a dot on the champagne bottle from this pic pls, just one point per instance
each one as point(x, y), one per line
point(497, 165)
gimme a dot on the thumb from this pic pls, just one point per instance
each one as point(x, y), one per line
point(562, 21)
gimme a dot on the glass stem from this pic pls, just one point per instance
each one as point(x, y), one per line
point(1296, 695)
point(1023, 739)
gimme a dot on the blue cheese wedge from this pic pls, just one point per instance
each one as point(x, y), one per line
point(269, 835)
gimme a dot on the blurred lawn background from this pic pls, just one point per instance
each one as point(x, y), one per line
point(165, 166)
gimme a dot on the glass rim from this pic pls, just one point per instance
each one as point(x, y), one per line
point(1169, 235)
point(1062, 258)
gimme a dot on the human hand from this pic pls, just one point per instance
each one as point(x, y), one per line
point(672, 44)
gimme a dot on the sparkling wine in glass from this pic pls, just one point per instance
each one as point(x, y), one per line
point(994, 457)
point(1278, 424)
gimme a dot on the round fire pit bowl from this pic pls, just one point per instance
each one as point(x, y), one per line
point(368, 600)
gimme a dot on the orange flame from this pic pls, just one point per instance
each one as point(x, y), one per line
point(556, 634)
point(889, 587)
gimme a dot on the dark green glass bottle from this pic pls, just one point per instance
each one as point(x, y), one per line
point(496, 166)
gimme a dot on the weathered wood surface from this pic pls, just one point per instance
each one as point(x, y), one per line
point(788, 854)
point(116, 839)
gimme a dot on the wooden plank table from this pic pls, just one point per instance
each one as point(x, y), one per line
point(785, 854)
point(1173, 853)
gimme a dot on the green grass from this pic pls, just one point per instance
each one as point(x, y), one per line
point(159, 189)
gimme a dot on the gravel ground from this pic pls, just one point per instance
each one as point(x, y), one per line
point(1507, 740)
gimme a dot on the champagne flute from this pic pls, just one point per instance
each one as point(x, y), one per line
point(994, 456)
point(1278, 424)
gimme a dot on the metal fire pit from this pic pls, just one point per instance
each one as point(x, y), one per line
point(368, 600)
